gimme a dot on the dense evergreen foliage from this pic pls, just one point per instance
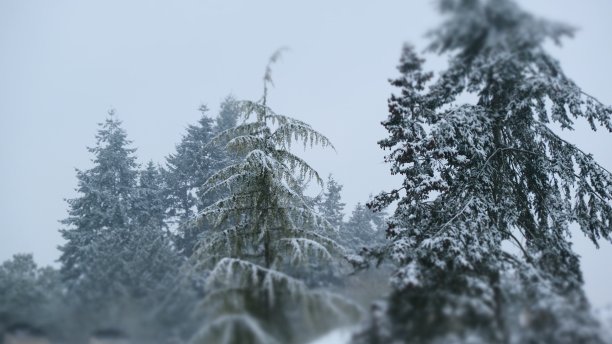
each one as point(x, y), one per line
point(118, 256)
point(188, 169)
point(106, 192)
point(265, 237)
point(479, 174)
point(330, 206)
point(365, 229)
point(29, 293)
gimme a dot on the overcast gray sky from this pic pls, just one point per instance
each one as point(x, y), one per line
point(64, 64)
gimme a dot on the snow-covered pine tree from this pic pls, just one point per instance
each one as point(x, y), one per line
point(188, 169)
point(263, 235)
point(117, 253)
point(149, 202)
point(106, 191)
point(364, 229)
point(229, 112)
point(479, 175)
point(331, 206)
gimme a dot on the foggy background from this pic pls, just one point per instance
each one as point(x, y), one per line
point(64, 64)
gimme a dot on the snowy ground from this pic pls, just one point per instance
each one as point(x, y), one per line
point(339, 336)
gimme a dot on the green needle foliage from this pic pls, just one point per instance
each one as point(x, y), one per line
point(478, 175)
point(266, 236)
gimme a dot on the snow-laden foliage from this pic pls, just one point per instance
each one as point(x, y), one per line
point(276, 306)
point(478, 175)
point(149, 204)
point(194, 161)
point(331, 206)
point(363, 232)
point(105, 203)
point(365, 229)
point(29, 294)
point(266, 238)
point(117, 257)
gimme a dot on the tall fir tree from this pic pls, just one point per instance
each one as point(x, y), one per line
point(479, 175)
point(229, 112)
point(188, 169)
point(104, 204)
point(117, 256)
point(149, 202)
point(264, 237)
point(331, 206)
point(365, 229)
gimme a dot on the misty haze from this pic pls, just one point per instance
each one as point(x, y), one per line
point(305, 173)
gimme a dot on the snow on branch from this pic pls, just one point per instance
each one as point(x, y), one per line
point(237, 272)
point(233, 328)
point(304, 247)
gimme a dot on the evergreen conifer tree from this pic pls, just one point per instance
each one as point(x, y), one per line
point(188, 169)
point(263, 236)
point(117, 255)
point(364, 229)
point(229, 113)
point(481, 174)
point(149, 203)
point(104, 205)
point(331, 206)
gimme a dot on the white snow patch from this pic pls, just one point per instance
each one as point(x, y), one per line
point(338, 336)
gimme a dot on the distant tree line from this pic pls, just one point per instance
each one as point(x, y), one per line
point(162, 251)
